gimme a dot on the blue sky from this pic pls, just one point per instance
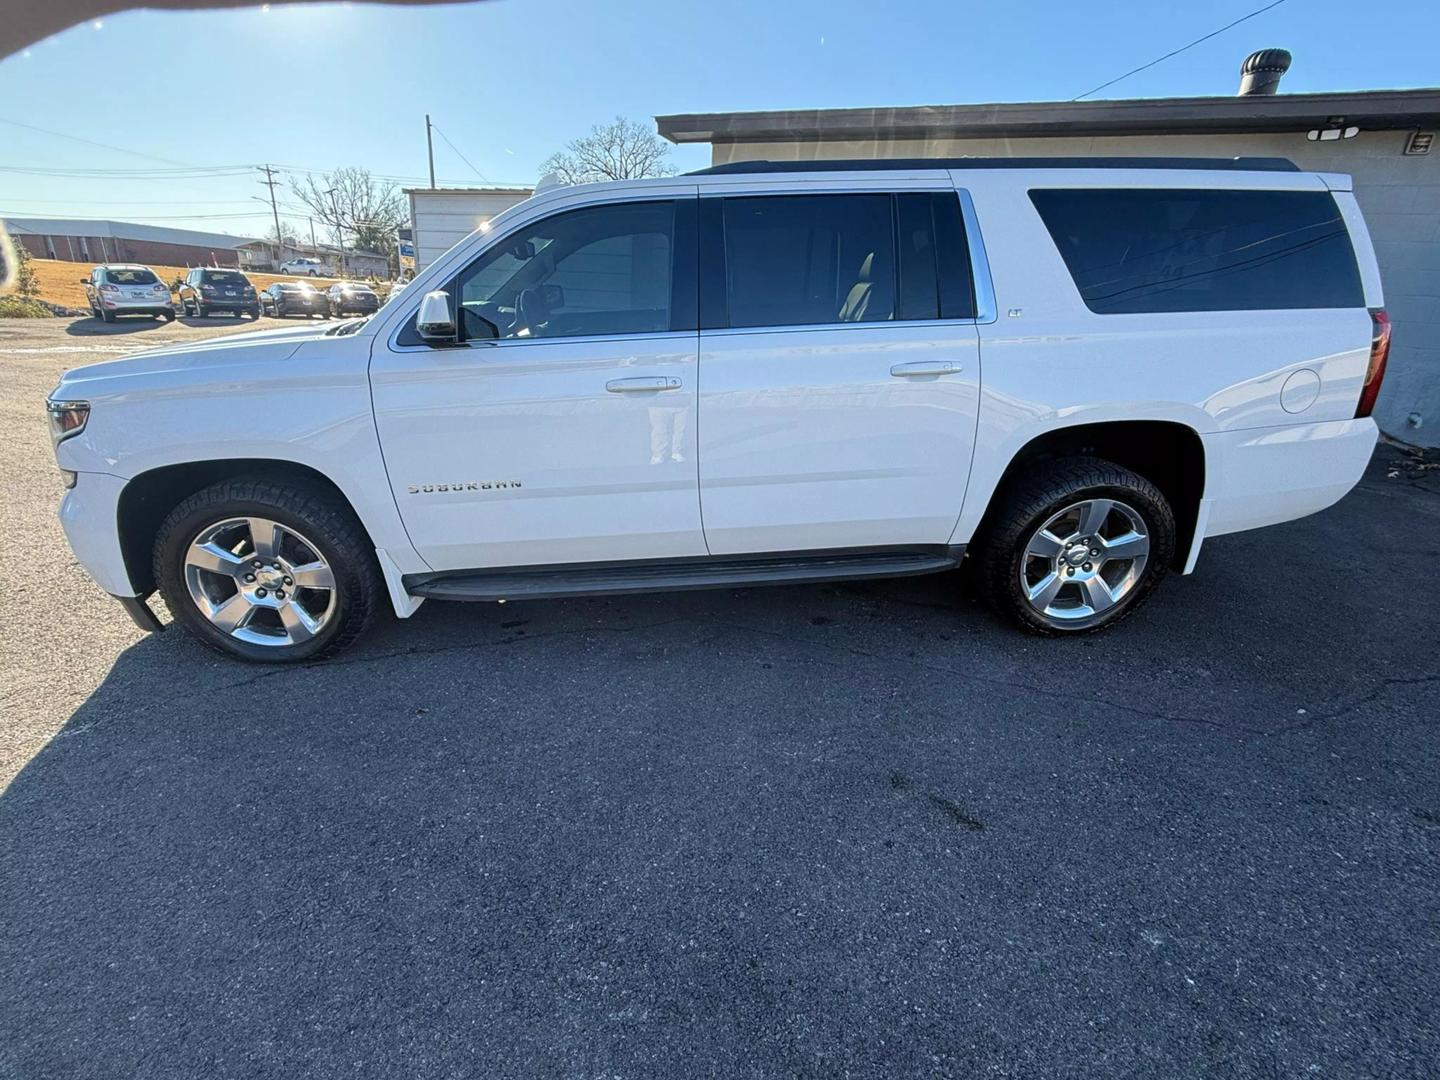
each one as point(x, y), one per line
point(510, 81)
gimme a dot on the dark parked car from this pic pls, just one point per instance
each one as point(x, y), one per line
point(353, 298)
point(286, 298)
point(206, 289)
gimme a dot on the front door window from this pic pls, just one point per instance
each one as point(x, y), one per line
point(598, 271)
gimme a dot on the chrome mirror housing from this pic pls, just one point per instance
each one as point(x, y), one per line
point(436, 321)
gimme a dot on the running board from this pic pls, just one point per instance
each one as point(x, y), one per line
point(618, 578)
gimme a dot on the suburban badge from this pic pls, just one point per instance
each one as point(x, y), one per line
point(472, 485)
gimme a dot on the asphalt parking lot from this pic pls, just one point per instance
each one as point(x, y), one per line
point(854, 830)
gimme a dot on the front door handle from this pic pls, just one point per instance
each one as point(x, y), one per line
point(642, 385)
point(926, 367)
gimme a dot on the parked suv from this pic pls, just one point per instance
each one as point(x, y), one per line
point(206, 290)
point(1066, 373)
point(127, 289)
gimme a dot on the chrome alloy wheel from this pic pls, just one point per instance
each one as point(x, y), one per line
point(259, 581)
point(1084, 560)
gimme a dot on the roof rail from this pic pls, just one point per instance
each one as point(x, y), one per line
point(1236, 164)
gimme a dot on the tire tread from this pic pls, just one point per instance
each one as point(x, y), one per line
point(1025, 499)
point(323, 514)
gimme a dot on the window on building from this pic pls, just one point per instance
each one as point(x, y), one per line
point(1144, 250)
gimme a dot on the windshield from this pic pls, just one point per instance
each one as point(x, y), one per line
point(139, 276)
point(224, 277)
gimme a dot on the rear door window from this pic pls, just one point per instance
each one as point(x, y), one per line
point(131, 277)
point(1156, 250)
point(815, 260)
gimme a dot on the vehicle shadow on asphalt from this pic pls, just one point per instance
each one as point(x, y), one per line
point(124, 324)
point(784, 831)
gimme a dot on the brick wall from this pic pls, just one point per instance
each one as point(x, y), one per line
point(103, 249)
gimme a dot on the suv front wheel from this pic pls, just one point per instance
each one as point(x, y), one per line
point(268, 570)
point(1075, 546)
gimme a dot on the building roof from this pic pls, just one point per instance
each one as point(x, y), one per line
point(1233, 164)
point(468, 191)
point(121, 230)
point(1369, 109)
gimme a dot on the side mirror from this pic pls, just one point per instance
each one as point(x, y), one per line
point(84, 281)
point(435, 321)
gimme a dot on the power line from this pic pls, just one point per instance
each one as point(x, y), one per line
point(158, 217)
point(126, 174)
point(1177, 52)
point(91, 142)
point(140, 202)
point(461, 156)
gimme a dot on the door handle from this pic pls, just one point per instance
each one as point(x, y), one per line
point(642, 385)
point(926, 367)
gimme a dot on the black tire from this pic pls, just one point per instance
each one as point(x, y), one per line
point(1028, 503)
point(309, 508)
point(169, 316)
point(254, 312)
point(107, 316)
point(200, 312)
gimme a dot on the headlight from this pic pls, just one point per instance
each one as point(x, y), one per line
point(67, 418)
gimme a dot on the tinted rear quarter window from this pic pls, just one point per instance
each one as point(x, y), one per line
point(1155, 250)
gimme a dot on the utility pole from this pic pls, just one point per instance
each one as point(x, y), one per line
point(269, 182)
point(314, 248)
point(339, 229)
point(430, 149)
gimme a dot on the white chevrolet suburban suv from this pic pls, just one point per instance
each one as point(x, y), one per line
point(1067, 372)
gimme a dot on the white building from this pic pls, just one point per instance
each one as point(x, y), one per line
point(441, 217)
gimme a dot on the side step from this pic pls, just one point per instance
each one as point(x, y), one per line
point(610, 579)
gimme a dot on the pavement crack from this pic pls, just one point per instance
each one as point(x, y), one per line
point(1009, 684)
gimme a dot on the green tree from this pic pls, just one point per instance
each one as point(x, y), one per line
point(27, 285)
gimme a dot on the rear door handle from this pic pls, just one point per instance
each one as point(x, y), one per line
point(641, 385)
point(926, 367)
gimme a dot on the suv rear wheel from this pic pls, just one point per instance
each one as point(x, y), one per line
point(268, 570)
point(1075, 547)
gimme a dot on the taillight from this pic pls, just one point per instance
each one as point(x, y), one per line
point(1379, 354)
point(109, 288)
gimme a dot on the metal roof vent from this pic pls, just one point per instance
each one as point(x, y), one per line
point(1261, 71)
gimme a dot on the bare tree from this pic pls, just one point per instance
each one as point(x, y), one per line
point(351, 200)
point(288, 236)
point(620, 150)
